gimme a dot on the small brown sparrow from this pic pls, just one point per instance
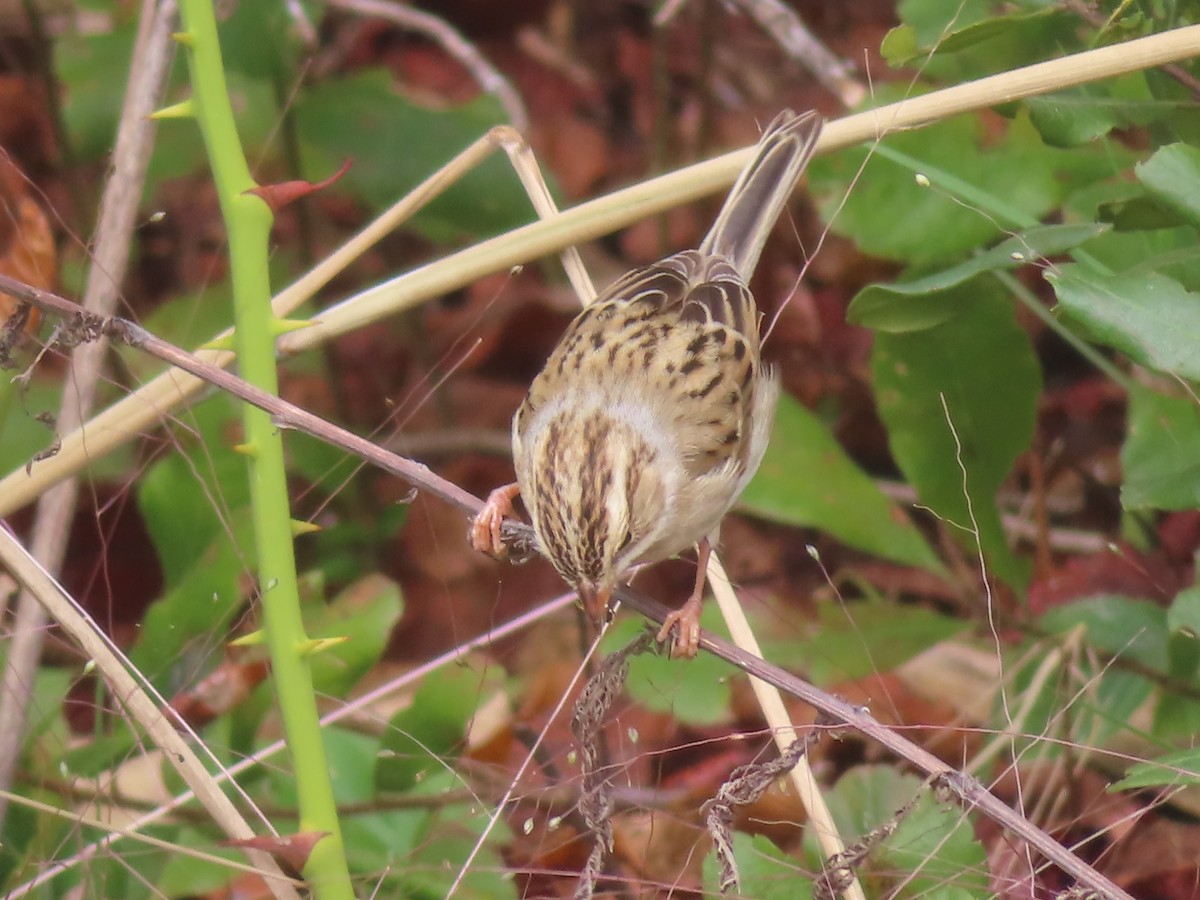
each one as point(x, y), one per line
point(654, 410)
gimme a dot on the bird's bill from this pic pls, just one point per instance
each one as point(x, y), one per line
point(594, 598)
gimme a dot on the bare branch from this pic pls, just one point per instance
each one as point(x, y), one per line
point(970, 793)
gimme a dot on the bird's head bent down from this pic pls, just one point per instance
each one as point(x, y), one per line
point(598, 495)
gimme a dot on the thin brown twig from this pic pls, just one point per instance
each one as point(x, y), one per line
point(79, 325)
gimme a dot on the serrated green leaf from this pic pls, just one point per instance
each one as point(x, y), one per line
point(1172, 176)
point(806, 479)
point(1149, 317)
point(1161, 455)
point(924, 302)
point(959, 401)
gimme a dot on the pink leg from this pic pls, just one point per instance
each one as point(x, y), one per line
point(687, 617)
point(485, 530)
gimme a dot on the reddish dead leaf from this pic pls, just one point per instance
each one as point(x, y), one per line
point(1127, 571)
point(291, 850)
point(26, 129)
point(649, 240)
point(580, 155)
point(279, 195)
point(662, 849)
point(1180, 535)
point(224, 688)
point(27, 250)
point(541, 849)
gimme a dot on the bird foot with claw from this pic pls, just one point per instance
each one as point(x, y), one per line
point(486, 534)
point(686, 623)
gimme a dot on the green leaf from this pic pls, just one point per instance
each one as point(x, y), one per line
point(1098, 713)
point(1183, 658)
point(184, 627)
point(193, 503)
point(1149, 317)
point(1183, 615)
point(764, 871)
point(99, 755)
point(365, 614)
point(432, 727)
point(188, 875)
point(1080, 115)
point(806, 479)
point(853, 640)
point(1018, 28)
point(440, 860)
point(90, 67)
point(394, 145)
point(243, 48)
point(23, 436)
point(1185, 124)
point(1138, 214)
point(959, 401)
point(1168, 251)
point(187, 499)
point(1177, 769)
point(1161, 455)
point(899, 45)
point(1124, 627)
point(350, 756)
point(1177, 716)
point(933, 851)
point(931, 300)
point(966, 39)
point(694, 691)
point(1172, 176)
point(938, 226)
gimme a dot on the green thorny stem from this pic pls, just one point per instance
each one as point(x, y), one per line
point(248, 220)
